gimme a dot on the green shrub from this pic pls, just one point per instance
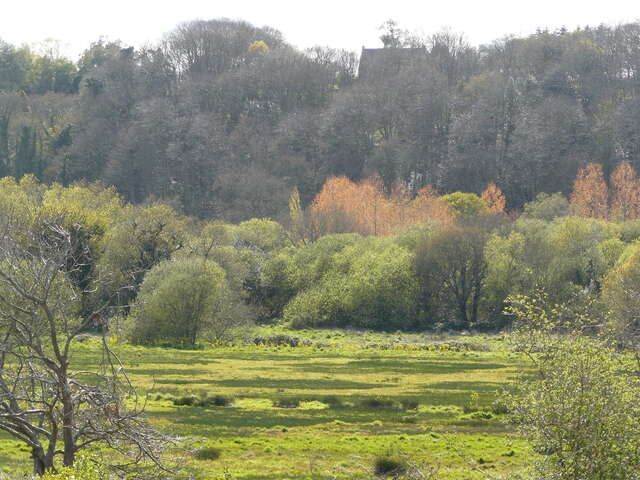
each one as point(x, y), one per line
point(621, 294)
point(465, 205)
point(468, 408)
point(499, 408)
point(450, 266)
point(179, 299)
point(333, 401)
point(208, 453)
point(370, 285)
point(139, 239)
point(85, 468)
point(186, 401)
point(294, 270)
point(630, 231)
point(481, 415)
point(287, 402)
point(260, 234)
point(389, 466)
point(204, 401)
point(579, 408)
point(215, 401)
point(547, 207)
point(373, 403)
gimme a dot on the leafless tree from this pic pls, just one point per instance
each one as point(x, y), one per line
point(45, 400)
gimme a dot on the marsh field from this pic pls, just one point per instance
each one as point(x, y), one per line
point(328, 408)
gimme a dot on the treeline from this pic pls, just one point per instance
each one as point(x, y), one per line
point(456, 266)
point(162, 278)
point(222, 119)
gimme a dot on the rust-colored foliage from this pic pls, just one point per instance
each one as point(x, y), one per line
point(590, 197)
point(494, 198)
point(364, 207)
point(625, 192)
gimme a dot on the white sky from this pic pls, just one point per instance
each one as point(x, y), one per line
point(304, 23)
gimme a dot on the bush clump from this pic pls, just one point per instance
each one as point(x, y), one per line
point(468, 408)
point(204, 401)
point(389, 466)
point(370, 285)
point(333, 402)
point(215, 401)
point(374, 403)
point(481, 415)
point(287, 402)
point(208, 453)
point(282, 340)
point(500, 408)
point(185, 401)
point(178, 301)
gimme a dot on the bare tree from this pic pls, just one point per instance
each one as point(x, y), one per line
point(45, 401)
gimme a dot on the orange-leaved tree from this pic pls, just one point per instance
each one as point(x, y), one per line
point(625, 192)
point(494, 198)
point(590, 197)
point(345, 206)
point(427, 205)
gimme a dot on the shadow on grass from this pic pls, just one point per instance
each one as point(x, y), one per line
point(398, 366)
point(161, 371)
point(276, 383)
point(230, 420)
point(458, 398)
point(467, 386)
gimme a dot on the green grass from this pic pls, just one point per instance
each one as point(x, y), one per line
point(341, 436)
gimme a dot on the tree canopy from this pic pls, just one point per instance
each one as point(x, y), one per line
point(222, 119)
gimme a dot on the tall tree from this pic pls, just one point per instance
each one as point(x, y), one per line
point(451, 266)
point(365, 207)
point(590, 197)
point(494, 198)
point(625, 192)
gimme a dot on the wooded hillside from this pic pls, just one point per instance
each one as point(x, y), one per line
point(222, 119)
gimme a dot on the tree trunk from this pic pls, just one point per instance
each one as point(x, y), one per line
point(40, 462)
point(475, 305)
point(69, 455)
point(39, 466)
point(462, 307)
point(475, 299)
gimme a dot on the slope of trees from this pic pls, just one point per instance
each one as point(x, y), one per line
point(223, 119)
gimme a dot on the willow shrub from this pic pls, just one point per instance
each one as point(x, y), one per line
point(179, 300)
point(370, 285)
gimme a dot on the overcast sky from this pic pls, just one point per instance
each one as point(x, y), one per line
point(304, 23)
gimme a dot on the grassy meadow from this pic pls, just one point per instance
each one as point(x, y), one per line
point(326, 410)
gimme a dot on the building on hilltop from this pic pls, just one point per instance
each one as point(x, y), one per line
point(377, 63)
